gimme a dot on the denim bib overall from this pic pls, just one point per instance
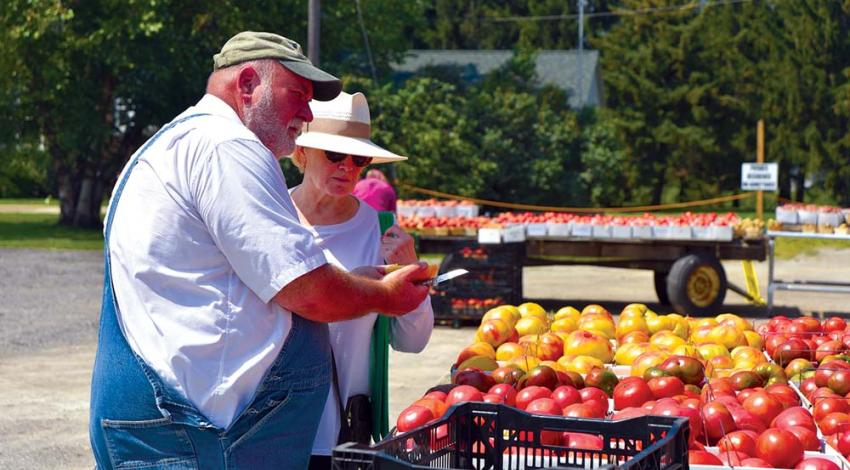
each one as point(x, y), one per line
point(139, 422)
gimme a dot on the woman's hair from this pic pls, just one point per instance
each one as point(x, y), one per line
point(377, 174)
point(299, 158)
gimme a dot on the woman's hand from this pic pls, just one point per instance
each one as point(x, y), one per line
point(397, 246)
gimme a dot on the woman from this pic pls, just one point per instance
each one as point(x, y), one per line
point(332, 152)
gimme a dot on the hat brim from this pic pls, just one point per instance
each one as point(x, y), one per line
point(348, 145)
point(325, 86)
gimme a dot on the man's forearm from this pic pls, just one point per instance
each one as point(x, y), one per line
point(328, 294)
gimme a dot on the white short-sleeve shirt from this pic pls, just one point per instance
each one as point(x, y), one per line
point(204, 235)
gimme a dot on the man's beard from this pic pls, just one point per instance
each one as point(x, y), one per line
point(259, 118)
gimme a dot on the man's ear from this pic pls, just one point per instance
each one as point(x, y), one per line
point(247, 80)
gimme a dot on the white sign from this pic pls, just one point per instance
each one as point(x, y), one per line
point(759, 176)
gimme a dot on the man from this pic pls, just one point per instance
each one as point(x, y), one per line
point(213, 344)
point(376, 191)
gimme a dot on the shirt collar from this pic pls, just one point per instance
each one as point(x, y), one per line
point(214, 105)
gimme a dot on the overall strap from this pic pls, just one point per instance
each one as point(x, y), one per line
point(120, 187)
point(109, 322)
point(380, 353)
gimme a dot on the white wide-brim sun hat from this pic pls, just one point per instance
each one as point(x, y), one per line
point(343, 125)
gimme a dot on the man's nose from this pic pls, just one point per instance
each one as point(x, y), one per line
point(305, 114)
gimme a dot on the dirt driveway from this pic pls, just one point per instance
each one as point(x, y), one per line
point(49, 302)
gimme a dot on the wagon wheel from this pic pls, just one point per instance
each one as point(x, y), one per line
point(660, 279)
point(696, 284)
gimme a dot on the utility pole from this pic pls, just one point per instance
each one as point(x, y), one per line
point(314, 13)
point(580, 86)
point(760, 159)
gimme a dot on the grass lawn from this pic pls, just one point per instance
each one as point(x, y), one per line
point(787, 248)
point(38, 202)
point(42, 231)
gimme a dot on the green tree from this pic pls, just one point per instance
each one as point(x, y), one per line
point(607, 174)
point(806, 125)
point(91, 81)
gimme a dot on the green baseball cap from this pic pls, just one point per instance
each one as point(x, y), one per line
point(251, 45)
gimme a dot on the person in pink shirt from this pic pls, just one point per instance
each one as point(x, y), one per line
point(375, 190)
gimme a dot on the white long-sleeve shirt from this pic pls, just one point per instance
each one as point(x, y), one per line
point(353, 243)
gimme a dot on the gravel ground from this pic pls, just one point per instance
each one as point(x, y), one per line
point(50, 301)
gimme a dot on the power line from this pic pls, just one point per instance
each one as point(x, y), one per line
point(605, 14)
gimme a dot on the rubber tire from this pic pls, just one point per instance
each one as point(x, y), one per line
point(660, 279)
point(677, 284)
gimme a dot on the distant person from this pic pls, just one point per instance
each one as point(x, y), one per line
point(213, 348)
point(376, 191)
point(331, 152)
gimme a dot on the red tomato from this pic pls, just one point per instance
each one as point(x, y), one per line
point(506, 391)
point(631, 412)
point(807, 437)
point(826, 406)
point(808, 386)
point(692, 403)
point(828, 348)
point(492, 398)
point(779, 448)
point(577, 440)
point(834, 422)
point(843, 443)
point(763, 406)
point(413, 417)
point(529, 394)
point(632, 393)
point(738, 441)
point(827, 369)
point(463, 393)
point(834, 324)
point(598, 407)
point(839, 382)
point(694, 420)
point(701, 457)
point(436, 394)
point(663, 387)
point(733, 458)
point(544, 406)
point(755, 462)
point(718, 420)
point(744, 394)
point(784, 393)
point(817, 463)
point(437, 407)
point(593, 393)
point(566, 395)
point(665, 407)
point(579, 410)
point(746, 421)
point(794, 416)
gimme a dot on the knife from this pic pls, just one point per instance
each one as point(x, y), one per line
point(445, 277)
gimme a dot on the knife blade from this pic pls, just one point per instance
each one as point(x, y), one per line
point(445, 277)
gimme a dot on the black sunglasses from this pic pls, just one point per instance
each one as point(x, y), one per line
point(336, 157)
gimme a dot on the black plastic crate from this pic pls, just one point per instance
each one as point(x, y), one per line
point(486, 436)
point(500, 256)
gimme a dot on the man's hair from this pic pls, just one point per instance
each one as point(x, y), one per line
point(265, 68)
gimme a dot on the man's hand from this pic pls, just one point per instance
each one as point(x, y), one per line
point(405, 291)
point(371, 272)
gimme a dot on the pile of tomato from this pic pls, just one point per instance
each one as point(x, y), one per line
point(777, 414)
